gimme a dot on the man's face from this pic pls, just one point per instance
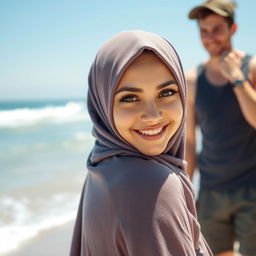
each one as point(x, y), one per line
point(216, 34)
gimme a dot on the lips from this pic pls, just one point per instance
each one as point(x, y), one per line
point(152, 133)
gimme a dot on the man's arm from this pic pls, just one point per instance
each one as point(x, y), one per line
point(246, 94)
point(191, 123)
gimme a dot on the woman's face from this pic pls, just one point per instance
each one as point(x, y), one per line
point(147, 108)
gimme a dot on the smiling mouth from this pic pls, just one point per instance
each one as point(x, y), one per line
point(152, 133)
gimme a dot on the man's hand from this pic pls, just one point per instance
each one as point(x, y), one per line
point(230, 66)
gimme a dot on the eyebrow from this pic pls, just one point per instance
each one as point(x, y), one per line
point(134, 89)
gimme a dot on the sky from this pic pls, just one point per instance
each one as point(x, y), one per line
point(47, 47)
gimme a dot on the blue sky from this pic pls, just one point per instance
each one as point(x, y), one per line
point(46, 47)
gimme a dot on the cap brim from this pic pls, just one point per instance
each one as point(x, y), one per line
point(195, 13)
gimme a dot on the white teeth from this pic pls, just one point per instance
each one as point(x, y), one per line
point(151, 132)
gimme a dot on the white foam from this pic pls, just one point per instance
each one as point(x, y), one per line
point(26, 223)
point(71, 112)
point(83, 136)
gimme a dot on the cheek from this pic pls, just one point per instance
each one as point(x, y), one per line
point(123, 118)
point(203, 37)
point(174, 111)
point(222, 37)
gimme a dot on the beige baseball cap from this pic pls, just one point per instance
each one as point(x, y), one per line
point(221, 7)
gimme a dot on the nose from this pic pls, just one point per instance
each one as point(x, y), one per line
point(151, 113)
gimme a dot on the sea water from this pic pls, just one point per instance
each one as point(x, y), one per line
point(44, 146)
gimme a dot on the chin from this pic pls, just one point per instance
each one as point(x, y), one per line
point(216, 53)
point(152, 151)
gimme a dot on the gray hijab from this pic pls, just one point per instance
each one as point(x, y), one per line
point(110, 63)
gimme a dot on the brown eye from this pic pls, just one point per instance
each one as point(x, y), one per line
point(167, 93)
point(129, 98)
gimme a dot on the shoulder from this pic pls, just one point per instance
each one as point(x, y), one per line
point(252, 71)
point(119, 171)
point(141, 180)
point(135, 170)
point(191, 79)
point(139, 184)
point(253, 62)
point(191, 75)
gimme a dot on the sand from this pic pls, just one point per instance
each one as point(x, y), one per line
point(51, 242)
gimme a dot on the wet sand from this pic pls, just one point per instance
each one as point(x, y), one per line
point(50, 242)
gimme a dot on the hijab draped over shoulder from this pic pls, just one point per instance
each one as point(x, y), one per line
point(133, 204)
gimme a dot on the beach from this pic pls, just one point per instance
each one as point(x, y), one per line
point(51, 242)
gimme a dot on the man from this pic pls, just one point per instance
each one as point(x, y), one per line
point(222, 102)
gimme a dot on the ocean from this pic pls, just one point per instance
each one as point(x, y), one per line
point(44, 146)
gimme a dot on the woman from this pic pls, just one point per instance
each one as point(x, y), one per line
point(137, 199)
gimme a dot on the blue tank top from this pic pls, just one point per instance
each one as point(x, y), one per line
point(228, 156)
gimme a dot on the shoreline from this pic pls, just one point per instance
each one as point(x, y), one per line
point(54, 241)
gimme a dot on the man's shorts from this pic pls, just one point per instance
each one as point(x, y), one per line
point(226, 217)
